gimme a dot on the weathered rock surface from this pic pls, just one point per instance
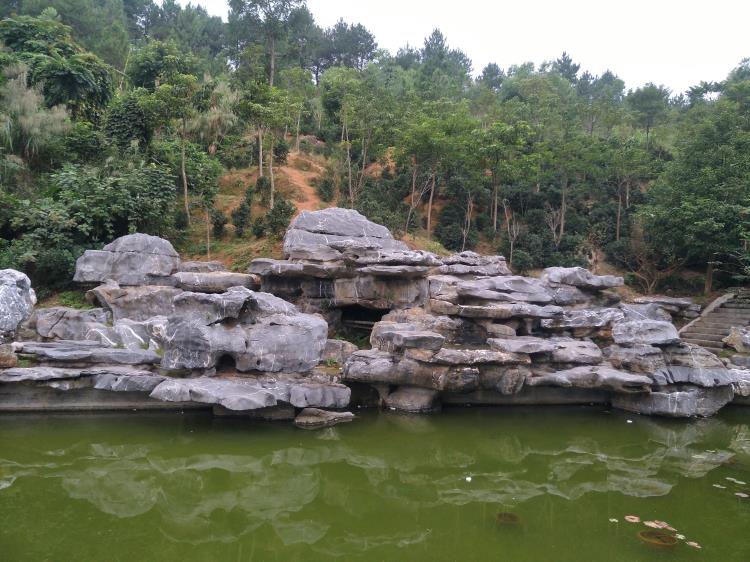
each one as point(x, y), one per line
point(63, 323)
point(134, 303)
point(579, 277)
point(134, 259)
point(17, 300)
point(599, 377)
point(86, 352)
point(738, 339)
point(315, 418)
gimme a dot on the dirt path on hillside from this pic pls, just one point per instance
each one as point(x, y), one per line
point(299, 173)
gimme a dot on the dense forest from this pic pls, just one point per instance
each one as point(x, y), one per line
point(122, 115)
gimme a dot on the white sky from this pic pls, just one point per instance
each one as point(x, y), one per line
point(677, 43)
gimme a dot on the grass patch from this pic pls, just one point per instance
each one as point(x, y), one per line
point(69, 299)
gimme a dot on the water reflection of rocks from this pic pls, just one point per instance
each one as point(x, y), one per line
point(203, 498)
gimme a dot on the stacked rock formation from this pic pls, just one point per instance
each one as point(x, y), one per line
point(463, 329)
point(160, 330)
point(460, 329)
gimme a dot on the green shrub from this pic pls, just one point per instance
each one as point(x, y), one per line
point(326, 189)
point(218, 221)
point(241, 218)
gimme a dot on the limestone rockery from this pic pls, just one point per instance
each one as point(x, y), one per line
point(459, 330)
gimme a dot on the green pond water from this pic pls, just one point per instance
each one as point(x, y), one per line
point(189, 487)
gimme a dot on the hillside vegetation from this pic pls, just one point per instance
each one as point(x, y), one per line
point(214, 134)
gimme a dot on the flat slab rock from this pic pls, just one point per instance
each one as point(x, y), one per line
point(598, 377)
point(315, 418)
point(240, 393)
point(215, 281)
point(560, 350)
point(85, 352)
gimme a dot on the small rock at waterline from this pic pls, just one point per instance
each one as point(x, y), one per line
point(313, 418)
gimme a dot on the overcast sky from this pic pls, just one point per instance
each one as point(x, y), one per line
point(670, 42)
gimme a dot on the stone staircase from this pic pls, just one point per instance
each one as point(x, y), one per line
point(709, 330)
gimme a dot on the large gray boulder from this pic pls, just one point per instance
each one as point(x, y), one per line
point(134, 259)
point(258, 331)
point(17, 300)
point(646, 332)
point(311, 229)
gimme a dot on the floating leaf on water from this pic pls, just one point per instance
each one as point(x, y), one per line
point(679, 536)
point(741, 495)
point(508, 518)
point(612, 520)
point(740, 483)
point(632, 519)
point(657, 538)
point(720, 486)
point(693, 544)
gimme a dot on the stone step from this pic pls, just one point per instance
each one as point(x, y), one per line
point(722, 316)
point(735, 305)
point(710, 345)
point(704, 336)
point(703, 330)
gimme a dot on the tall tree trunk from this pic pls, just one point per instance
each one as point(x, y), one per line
point(412, 203)
point(296, 135)
point(708, 287)
point(184, 174)
point(467, 220)
point(349, 166)
point(361, 179)
point(270, 171)
point(208, 233)
point(619, 212)
point(429, 208)
point(494, 203)
point(260, 152)
point(273, 60)
point(563, 205)
point(627, 195)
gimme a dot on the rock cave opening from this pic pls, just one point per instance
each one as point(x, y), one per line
point(360, 318)
point(226, 364)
